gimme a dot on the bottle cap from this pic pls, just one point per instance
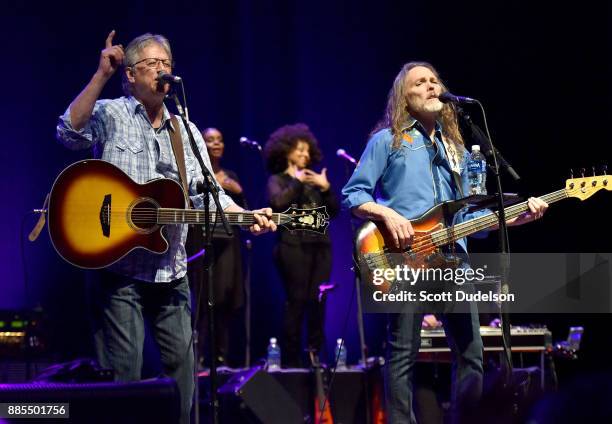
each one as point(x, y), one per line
point(476, 147)
point(272, 340)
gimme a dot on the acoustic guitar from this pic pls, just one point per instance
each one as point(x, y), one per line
point(98, 214)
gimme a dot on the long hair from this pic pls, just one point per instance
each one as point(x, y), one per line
point(396, 113)
point(284, 140)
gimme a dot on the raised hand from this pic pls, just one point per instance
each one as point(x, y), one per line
point(228, 183)
point(111, 57)
point(317, 180)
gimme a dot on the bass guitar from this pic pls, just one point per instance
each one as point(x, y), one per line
point(375, 248)
point(97, 214)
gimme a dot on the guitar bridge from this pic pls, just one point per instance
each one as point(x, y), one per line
point(105, 215)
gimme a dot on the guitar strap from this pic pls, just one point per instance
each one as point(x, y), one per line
point(457, 178)
point(179, 154)
point(451, 157)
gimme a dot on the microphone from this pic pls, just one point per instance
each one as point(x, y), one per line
point(166, 77)
point(451, 98)
point(341, 153)
point(249, 143)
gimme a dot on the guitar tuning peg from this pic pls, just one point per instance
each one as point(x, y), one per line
point(604, 169)
point(582, 171)
point(571, 173)
point(594, 173)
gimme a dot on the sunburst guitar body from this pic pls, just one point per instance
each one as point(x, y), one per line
point(98, 214)
point(375, 248)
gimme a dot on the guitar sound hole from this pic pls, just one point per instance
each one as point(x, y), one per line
point(143, 216)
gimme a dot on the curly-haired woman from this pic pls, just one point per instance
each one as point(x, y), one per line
point(303, 259)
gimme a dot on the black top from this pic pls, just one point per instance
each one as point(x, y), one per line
point(239, 199)
point(285, 191)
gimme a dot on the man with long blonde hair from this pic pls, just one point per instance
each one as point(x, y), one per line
point(414, 160)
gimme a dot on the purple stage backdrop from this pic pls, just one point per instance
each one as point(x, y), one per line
point(249, 67)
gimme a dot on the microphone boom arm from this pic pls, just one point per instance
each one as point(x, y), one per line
point(481, 139)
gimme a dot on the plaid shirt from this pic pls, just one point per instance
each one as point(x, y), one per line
point(120, 133)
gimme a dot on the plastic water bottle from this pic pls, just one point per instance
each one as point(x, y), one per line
point(340, 355)
point(477, 172)
point(274, 355)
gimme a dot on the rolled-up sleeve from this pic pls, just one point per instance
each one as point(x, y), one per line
point(90, 134)
point(224, 200)
point(361, 186)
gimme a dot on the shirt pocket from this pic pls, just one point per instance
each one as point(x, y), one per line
point(134, 147)
point(417, 143)
point(409, 151)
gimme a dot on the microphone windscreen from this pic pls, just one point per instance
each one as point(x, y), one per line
point(446, 97)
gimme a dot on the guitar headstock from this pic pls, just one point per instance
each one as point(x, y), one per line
point(315, 219)
point(585, 187)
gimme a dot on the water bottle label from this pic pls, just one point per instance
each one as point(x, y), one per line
point(477, 166)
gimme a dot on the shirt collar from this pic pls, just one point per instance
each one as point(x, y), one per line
point(411, 123)
point(134, 106)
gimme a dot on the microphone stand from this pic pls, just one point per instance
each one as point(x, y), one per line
point(362, 344)
point(504, 246)
point(363, 348)
point(247, 309)
point(254, 145)
point(250, 144)
point(488, 149)
point(208, 188)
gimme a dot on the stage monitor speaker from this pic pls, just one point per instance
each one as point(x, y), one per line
point(154, 401)
point(254, 396)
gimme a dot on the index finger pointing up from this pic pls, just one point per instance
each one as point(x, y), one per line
point(109, 39)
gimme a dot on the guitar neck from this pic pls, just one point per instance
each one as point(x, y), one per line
point(457, 232)
point(167, 216)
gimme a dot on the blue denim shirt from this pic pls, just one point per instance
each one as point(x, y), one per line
point(409, 180)
point(120, 132)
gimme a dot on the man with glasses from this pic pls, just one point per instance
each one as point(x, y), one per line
point(132, 132)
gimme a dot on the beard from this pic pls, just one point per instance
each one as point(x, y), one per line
point(433, 105)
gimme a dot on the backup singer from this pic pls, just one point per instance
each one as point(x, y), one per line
point(132, 132)
point(303, 259)
point(227, 267)
point(407, 167)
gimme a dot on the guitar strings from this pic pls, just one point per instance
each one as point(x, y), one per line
point(190, 216)
point(467, 228)
point(423, 244)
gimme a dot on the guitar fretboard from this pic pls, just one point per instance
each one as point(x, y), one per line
point(196, 216)
point(457, 232)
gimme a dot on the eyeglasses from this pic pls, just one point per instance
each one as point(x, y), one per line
point(153, 63)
